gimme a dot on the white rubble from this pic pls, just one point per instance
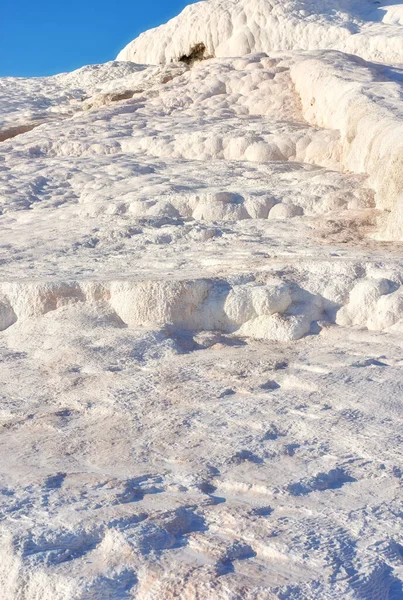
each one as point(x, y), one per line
point(201, 308)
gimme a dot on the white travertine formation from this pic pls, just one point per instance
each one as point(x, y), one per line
point(238, 27)
point(200, 327)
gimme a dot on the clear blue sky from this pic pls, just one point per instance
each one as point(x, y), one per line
point(44, 37)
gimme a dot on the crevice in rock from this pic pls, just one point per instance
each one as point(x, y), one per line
point(196, 54)
point(14, 131)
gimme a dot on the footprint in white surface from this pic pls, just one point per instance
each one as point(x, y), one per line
point(269, 386)
point(273, 433)
point(370, 362)
point(332, 480)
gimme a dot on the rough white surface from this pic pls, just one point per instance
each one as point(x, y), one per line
point(35, 100)
point(200, 329)
point(367, 28)
point(364, 102)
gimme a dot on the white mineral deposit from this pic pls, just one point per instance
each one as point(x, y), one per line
point(201, 312)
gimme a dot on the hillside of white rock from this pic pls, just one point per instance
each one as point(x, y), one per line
point(201, 312)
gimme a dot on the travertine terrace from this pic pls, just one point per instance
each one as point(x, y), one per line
point(201, 312)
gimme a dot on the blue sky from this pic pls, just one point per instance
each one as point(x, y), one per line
point(44, 37)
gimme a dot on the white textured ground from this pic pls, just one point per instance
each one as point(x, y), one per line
point(201, 312)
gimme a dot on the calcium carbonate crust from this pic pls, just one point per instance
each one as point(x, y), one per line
point(200, 330)
point(228, 28)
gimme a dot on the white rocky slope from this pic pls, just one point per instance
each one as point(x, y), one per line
point(369, 28)
point(200, 325)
